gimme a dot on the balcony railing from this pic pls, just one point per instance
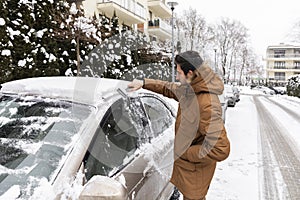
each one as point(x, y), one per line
point(287, 66)
point(291, 55)
point(160, 29)
point(129, 5)
point(279, 78)
point(158, 23)
point(279, 67)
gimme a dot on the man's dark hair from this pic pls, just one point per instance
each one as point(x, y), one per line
point(188, 60)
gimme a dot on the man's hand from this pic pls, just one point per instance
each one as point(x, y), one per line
point(135, 85)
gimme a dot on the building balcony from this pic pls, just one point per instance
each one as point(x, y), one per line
point(129, 11)
point(159, 29)
point(159, 8)
point(293, 69)
point(279, 78)
point(283, 56)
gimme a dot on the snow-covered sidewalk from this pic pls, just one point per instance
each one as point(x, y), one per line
point(238, 176)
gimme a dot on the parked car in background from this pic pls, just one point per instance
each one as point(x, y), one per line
point(278, 90)
point(229, 95)
point(84, 138)
point(264, 90)
point(224, 105)
point(236, 93)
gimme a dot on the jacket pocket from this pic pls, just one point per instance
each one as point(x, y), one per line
point(185, 164)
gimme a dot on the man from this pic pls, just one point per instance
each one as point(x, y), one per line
point(200, 135)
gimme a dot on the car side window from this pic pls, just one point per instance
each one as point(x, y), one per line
point(116, 139)
point(159, 115)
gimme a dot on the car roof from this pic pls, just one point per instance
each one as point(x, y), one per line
point(87, 90)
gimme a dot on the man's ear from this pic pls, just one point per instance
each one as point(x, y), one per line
point(190, 74)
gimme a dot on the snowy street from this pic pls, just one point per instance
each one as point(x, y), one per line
point(263, 164)
point(278, 149)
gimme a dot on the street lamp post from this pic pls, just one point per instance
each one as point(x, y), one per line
point(172, 4)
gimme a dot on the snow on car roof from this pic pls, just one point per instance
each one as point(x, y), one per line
point(86, 90)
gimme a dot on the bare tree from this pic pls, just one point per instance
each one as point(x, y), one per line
point(197, 34)
point(251, 67)
point(229, 35)
point(244, 53)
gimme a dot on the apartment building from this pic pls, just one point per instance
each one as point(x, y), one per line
point(282, 61)
point(148, 16)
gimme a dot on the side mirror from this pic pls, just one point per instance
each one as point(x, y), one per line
point(102, 187)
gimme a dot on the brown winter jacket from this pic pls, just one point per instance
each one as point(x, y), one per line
point(200, 135)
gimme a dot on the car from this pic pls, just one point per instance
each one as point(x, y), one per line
point(229, 95)
point(264, 90)
point(224, 105)
point(84, 138)
point(281, 90)
point(278, 90)
point(236, 93)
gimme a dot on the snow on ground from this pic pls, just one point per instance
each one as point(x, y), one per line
point(287, 121)
point(238, 176)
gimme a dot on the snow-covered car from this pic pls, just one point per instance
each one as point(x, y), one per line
point(84, 138)
point(224, 105)
point(264, 90)
point(278, 90)
point(236, 93)
point(229, 95)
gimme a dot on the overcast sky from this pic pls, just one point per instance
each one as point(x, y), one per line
point(268, 21)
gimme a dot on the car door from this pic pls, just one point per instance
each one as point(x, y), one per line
point(154, 164)
point(122, 141)
point(123, 129)
point(116, 139)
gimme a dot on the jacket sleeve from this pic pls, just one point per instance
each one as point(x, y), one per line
point(165, 88)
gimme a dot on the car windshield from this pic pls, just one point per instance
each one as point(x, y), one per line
point(35, 134)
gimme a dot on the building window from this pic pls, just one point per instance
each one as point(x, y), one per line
point(280, 76)
point(297, 52)
point(279, 65)
point(297, 64)
point(279, 53)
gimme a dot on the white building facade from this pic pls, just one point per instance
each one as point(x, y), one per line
point(282, 61)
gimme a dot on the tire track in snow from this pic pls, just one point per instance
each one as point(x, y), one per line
point(291, 112)
point(275, 143)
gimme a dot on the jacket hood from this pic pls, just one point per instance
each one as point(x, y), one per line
point(208, 81)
